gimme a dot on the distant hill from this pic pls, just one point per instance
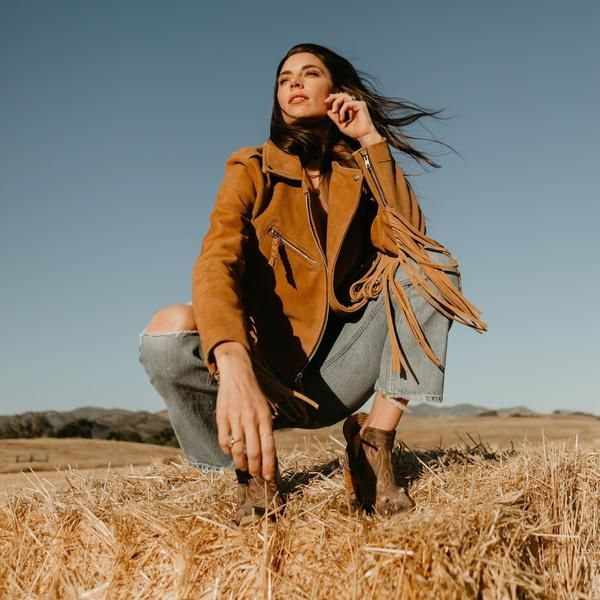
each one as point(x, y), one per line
point(155, 427)
point(463, 410)
point(91, 422)
point(573, 413)
point(115, 417)
point(155, 421)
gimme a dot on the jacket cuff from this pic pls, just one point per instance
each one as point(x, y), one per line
point(210, 341)
point(378, 152)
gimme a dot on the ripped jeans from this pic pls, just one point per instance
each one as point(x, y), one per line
point(352, 361)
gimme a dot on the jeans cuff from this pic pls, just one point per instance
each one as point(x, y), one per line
point(411, 396)
point(207, 468)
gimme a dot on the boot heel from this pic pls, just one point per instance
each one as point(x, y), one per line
point(350, 429)
point(351, 486)
point(369, 473)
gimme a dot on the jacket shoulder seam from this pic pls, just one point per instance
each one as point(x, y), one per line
point(246, 154)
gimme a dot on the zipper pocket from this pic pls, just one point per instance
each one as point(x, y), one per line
point(279, 239)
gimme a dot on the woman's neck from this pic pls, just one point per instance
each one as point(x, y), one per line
point(323, 131)
point(318, 163)
point(314, 166)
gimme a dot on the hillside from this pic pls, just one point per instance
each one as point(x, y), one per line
point(153, 422)
point(113, 417)
point(463, 410)
point(91, 422)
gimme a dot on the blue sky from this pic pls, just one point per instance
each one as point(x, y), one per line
point(116, 119)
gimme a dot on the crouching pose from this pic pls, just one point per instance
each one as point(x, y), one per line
point(316, 286)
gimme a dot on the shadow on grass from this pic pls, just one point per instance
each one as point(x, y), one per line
point(408, 463)
point(296, 480)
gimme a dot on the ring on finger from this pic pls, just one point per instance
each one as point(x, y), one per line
point(233, 440)
point(239, 449)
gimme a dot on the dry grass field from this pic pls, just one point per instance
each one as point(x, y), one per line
point(47, 454)
point(497, 432)
point(49, 457)
point(493, 520)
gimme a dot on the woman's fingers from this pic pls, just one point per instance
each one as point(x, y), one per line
point(231, 439)
point(248, 448)
point(260, 446)
point(253, 451)
point(350, 115)
point(337, 105)
point(343, 107)
point(223, 431)
point(347, 107)
point(245, 429)
point(337, 98)
point(238, 451)
point(267, 444)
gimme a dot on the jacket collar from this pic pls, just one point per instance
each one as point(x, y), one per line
point(288, 165)
point(279, 162)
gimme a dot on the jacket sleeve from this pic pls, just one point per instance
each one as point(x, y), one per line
point(389, 185)
point(216, 300)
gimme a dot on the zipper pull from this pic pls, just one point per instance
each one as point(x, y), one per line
point(365, 156)
point(298, 381)
point(274, 248)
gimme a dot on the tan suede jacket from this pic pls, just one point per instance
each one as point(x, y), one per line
point(263, 279)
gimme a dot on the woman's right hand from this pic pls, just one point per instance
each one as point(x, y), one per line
point(243, 412)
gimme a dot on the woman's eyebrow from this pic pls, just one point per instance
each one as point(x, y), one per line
point(302, 69)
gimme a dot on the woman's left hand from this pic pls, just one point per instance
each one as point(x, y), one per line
point(352, 117)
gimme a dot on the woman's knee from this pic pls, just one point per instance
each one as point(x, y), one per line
point(174, 317)
point(169, 356)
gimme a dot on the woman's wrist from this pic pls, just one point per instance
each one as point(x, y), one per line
point(370, 138)
point(232, 356)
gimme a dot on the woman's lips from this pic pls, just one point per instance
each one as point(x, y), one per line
point(297, 99)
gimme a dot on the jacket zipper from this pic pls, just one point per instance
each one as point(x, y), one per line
point(300, 375)
point(279, 239)
point(365, 156)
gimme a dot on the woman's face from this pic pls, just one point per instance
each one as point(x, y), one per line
point(302, 86)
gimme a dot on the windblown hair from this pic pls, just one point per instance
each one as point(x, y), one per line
point(389, 115)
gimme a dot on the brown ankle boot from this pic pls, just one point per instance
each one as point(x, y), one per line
point(256, 493)
point(368, 468)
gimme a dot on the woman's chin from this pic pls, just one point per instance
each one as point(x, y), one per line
point(310, 120)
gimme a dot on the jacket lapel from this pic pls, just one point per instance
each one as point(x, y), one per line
point(344, 196)
point(279, 162)
point(344, 190)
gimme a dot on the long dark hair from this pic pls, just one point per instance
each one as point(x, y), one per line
point(389, 115)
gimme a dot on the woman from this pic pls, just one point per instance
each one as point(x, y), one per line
point(312, 235)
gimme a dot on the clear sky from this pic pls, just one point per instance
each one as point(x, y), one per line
point(116, 118)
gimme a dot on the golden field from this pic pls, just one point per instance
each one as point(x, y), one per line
point(497, 518)
point(497, 432)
